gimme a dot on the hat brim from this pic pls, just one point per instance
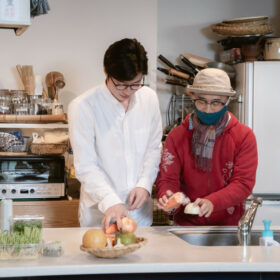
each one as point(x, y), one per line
point(213, 92)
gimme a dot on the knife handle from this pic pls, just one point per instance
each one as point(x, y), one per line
point(166, 61)
point(179, 74)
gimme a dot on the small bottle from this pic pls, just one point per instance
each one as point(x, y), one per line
point(267, 235)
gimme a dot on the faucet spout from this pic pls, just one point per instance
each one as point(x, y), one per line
point(246, 222)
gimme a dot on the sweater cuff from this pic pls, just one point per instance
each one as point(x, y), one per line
point(108, 201)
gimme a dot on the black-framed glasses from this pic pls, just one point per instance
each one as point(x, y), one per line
point(215, 104)
point(125, 86)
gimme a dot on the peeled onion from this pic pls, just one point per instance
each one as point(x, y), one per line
point(190, 209)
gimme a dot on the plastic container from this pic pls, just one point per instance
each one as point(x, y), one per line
point(19, 223)
point(24, 240)
point(52, 249)
point(20, 251)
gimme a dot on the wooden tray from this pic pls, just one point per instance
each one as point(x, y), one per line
point(33, 118)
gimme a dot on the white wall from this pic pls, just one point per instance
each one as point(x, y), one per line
point(184, 26)
point(72, 39)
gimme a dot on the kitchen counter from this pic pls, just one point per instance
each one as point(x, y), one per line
point(164, 253)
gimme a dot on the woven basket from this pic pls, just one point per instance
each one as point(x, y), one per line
point(109, 253)
point(48, 149)
point(238, 30)
point(247, 20)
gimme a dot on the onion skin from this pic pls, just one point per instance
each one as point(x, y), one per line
point(128, 225)
point(112, 228)
point(94, 238)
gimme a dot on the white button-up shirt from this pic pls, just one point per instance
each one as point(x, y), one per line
point(114, 151)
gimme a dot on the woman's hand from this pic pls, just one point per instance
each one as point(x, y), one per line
point(161, 203)
point(206, 207)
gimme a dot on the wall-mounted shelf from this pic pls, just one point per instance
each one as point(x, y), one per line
point(34, 125)
point(19, 29)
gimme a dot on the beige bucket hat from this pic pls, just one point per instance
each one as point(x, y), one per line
point(212, 81)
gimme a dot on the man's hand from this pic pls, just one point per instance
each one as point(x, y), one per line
point(115, 212)
point(137, 197)
point(206, 207)
point(161, 203)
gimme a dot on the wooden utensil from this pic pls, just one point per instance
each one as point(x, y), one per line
point(197, 60)
point(54, 81)
point(28, 78)
point(19, 71)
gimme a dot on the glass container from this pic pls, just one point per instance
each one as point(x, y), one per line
point(5, 104)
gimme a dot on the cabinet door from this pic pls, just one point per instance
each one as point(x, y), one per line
point(266, 125)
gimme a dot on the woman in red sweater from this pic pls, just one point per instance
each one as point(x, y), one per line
point(211, 157)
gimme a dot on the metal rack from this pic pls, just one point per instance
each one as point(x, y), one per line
point(178, 107)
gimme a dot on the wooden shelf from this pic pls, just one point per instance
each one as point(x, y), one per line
point(34, 125)
point(19, 29)
point(33, 118)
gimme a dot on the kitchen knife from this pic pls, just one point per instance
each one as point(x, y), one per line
point(175, 82)
point(186, 70)
point(186, 61)
point(166, 61)
point(174, 72)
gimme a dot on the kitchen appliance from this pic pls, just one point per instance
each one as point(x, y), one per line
point(258, 84)
point(32, 177)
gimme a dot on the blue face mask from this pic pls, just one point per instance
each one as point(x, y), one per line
point(210, 118)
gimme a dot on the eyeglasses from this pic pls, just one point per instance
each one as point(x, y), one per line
point(215, 104)
point(125, 86)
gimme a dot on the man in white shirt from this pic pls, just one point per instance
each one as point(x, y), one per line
point(115, 131)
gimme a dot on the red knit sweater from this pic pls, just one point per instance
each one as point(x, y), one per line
point(230, 182)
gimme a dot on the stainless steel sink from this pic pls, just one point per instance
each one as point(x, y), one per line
point(216, 236)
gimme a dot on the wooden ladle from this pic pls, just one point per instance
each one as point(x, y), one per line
point(54, 81)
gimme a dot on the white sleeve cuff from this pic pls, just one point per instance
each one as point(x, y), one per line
point(144, 183)
point(108, 201)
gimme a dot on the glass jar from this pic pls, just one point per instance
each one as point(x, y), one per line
point(35, 105)
point(21, 109)
point(47, 105)
point(5, 104)
point(57, 108)
point(18, 97)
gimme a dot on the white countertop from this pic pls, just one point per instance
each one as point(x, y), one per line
point(164, 252)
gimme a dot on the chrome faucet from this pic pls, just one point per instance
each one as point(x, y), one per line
point(246, 222)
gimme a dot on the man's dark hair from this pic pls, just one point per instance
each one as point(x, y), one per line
point(124, 59)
